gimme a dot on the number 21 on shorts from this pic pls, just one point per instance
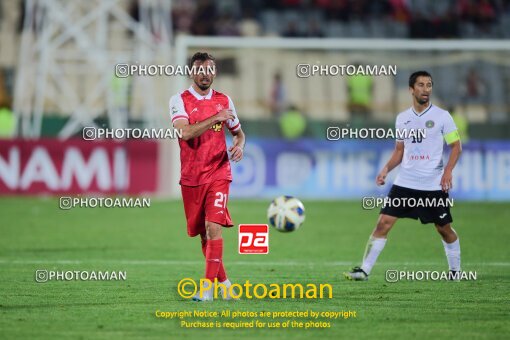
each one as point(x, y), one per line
point(221, 200)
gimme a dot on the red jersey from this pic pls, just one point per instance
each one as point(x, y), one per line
point(204, 159)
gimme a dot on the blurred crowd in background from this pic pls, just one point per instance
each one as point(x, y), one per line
point(336, 18)
point(479, 84)
point(344, 18)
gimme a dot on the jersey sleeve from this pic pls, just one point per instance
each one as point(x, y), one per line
point(449, 130)
point(399, 126)
point(177, 108)
point(233, 124)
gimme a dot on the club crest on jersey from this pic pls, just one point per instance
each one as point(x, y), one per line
point(216, 127)
point(429, 124)
point(219, 107)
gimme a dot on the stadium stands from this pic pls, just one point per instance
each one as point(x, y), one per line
point(322, 18)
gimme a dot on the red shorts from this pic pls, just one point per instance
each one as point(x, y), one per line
point(207, 202)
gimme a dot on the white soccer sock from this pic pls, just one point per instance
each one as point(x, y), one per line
point(452, 251)
point(372, 251)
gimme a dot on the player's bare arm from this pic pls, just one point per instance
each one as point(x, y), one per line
point(190, 131)
point(446, 180)
point(237, 149)
point(395, 160)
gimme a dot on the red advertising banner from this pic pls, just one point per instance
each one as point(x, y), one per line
point(75, 166)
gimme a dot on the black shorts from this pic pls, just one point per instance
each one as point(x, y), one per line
point(410, 203)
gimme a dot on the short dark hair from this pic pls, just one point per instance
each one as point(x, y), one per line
point(202, 56)
point(415, 75)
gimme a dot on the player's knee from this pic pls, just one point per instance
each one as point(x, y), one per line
point(213, 230)
point(446, 232)
point(443, 229)
point(383, 226)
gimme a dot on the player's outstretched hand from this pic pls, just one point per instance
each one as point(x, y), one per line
point(446, 181)
point(236, 153)
point(224, 115)
point(380, 179)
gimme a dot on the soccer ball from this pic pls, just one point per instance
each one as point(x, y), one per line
point(286, 213)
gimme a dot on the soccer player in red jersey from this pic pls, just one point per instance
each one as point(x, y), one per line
point(202, 113)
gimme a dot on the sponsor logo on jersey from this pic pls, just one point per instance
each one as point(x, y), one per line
point(419, 157)
point(216, 127)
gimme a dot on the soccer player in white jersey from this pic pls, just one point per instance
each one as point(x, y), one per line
point(421, 176)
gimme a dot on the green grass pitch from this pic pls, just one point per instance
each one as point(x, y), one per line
point(152, 246)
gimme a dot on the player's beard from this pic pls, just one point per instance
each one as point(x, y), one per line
point(422, 101)
point(204, 87)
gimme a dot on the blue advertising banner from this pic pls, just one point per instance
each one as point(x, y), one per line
point(347, 169)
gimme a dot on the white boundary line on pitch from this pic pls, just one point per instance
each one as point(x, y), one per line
point(240, 263)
